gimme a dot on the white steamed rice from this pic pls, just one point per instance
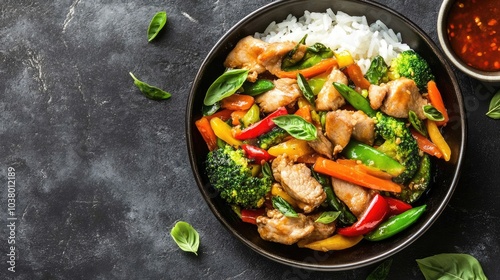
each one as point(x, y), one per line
point(339, 32)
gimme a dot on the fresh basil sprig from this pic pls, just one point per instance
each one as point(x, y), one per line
point(297, 127)
point(381, 272)
point(225, 85)
point(494, 109)
point(306, 89)
point(156, 25)
point(432, 113)
point(451, 266)
point(417, 123)
point(149, 91)
point(186, 237)
point(284, 207)
point(328, 217)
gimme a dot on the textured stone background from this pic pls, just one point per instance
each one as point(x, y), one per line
point(102, 173)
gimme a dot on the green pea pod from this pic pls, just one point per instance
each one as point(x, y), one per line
point(419, 183)
point(306, 89)
point(225, 85)
point(156, 25)
point(355, 99)
point(372, 157)
point(396, 224)
point(417, 123)
point(149, 91)
point(260, 86)
point(252, 116)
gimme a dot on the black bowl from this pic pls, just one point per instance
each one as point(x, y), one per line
point(446, 173)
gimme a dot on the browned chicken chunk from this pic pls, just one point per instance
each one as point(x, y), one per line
point(321, 144)
point(297, 181)
point(320, 232)
point(285, 92)
point(273, 55)
point(338, 128)
point(329, 98)
point(355, 197)
point(276, 227)
point(364, 128)
point(397, 98)
point(245, 56)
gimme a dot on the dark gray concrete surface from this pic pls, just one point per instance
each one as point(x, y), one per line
point(102, 173)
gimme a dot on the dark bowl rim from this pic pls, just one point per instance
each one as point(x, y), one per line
point(309, 266)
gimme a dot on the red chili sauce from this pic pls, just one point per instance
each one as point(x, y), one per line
point(474, 33)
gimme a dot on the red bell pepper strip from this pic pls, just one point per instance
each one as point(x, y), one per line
point(260, 127)
point(425, 144)
point(257, 154)
point(396, 206)
point(250, 215)
point(371, 218)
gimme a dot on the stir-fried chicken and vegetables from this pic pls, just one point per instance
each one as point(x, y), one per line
point(315, 152)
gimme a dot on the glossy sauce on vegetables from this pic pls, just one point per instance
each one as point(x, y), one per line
point(474, 33)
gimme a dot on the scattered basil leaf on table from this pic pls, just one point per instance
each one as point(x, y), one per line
point(225, 85)
point(494, 109)
point(381, 272)
point(150, 92)
point(328, 217)
point(186, 237)
point(417, 123)
point(297, 127)
point(451, 266)
point(156, 25)
point(432, 113)
point(284, 207)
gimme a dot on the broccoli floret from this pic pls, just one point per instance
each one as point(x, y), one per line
point(399, 144)
point(411, 65)
point(229, 171)
point(271, 138)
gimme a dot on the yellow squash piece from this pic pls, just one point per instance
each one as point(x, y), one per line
point(438, 139)
point(334, 243)
point(223, 131)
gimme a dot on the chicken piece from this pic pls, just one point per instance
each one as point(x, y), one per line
point(397, 98)
point(364, 128)
point(273, 55)
point(285, 92)
point(245, 55)
point(276, 227)
point(338, 128)
point(320, 232)
point(329, 98)
point(321, 144)
point(355, 197)
point(297, 181)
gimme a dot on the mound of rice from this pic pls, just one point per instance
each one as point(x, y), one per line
point(339, 32)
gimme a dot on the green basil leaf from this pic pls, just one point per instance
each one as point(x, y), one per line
point(260, 86)
point(150, 92)
point(156, 25)
point(494, 109)
point(186, 237)
point(451, 266)
point(297, 127)
point(306, 89)
point(289, 60)
point(381, 272)
point(417, 123)
point(211, 109)
point(284, 207)
point(328, 217)
point(266, 170)
point(377, 72)
point(225, 85)
point(432, 113)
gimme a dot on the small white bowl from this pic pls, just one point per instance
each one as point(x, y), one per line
point(484, 76)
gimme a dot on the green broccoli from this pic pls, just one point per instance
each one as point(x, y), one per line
point(411, 65)
point(271, 138)
point(399, 144)
point(229, 171)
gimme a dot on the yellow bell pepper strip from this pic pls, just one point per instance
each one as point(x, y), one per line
point(321, 67)
point(438, 139)
point(437, 101)
point(353, 175)
point(223, 131)
point(335, 242)
point(344, 58)
point(294, 148)
point(207, 133)
point(373, 216)
point(276, 190)
point(260, 127)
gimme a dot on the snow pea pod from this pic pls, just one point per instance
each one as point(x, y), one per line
point(355, 99)
point(260, 86)
point(396, 224)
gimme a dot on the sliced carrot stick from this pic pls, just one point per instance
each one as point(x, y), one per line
point(366, 169)
point(207, 133)
point(222, 114)
point(354, 72)
point(437, 101)
point(305, 113)
point(320, 67)
point(352, 175)
point(237, 115)
point(237, 102)
point(426, 145)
